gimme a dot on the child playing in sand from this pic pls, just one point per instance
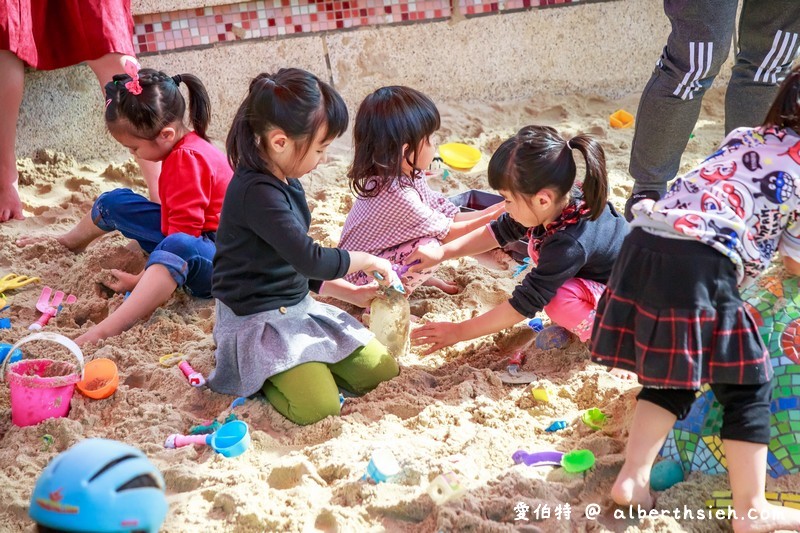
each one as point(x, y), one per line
point(144, 113)
point(672, 312)
point(270, 333)
point(574, 236)
point(396, 211)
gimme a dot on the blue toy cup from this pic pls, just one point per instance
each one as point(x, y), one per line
point(382, 466)
point(232, 439)
point(536, 324)
point(4, 348)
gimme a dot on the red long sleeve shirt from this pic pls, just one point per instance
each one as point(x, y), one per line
point(192, 185)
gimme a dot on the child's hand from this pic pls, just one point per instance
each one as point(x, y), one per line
point(438, 334)
point(427, 257)
point(384, 268)
point(123, 281)
point(362, 295)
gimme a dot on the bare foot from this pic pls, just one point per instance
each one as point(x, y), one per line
point(122, 281)
point(632, 490)
point(10, 205)
point(766, 517)
point(446, 286)
point(624, 375)
point(62, 240)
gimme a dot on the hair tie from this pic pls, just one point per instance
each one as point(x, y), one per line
point(132, 70)
point(568, 144)
point(177, 79)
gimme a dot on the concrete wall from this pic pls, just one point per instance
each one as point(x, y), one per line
point(606, 48)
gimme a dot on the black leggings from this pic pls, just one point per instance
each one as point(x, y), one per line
point(745, 414)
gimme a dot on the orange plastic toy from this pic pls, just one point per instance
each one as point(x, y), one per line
point(100, 379)
point(621, 119)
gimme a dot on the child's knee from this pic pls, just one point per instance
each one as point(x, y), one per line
point(303, 409)
point(383, 368)
point(105, 206)
point(179, 244)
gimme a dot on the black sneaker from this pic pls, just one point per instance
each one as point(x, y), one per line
point(637, 197)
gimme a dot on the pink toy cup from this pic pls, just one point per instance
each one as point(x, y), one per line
point(42, 388)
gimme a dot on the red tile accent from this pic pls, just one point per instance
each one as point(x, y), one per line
point(269, 18)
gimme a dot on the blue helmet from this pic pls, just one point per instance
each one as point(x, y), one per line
point(102, 486)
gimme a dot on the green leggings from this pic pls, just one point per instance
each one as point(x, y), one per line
point(308, 393)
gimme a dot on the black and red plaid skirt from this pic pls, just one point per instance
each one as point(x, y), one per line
point(672, 314)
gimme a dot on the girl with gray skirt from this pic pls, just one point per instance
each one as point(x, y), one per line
point(270, 333)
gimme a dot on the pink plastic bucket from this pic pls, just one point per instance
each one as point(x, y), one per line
point(42, 388)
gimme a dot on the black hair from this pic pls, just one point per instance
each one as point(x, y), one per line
point(293, 100)
point(388, 119)
point(785, 110)
point(159, 104)
point(537, 158)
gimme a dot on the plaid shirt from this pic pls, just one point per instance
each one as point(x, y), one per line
point(395, 216)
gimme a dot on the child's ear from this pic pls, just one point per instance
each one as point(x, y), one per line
point(167, 134)
point(277, 140)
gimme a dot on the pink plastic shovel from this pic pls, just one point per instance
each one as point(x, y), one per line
point(49, 308)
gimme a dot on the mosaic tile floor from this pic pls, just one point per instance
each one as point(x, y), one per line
point(695, 441)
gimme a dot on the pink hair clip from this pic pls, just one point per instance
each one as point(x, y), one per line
point(132, 70)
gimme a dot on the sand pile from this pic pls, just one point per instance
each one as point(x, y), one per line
point(446, 407)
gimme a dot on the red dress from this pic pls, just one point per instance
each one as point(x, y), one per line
point(50, 34)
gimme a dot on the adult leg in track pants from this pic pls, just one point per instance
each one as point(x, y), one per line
point(698, 45)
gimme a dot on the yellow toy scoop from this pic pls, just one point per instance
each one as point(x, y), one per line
point(459, 156)
point(14, 281)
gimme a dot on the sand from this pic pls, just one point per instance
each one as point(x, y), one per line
point(447, 404)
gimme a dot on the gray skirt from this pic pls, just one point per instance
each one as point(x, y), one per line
point(252, 348)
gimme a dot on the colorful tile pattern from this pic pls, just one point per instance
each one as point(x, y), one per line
point(203, 26)
point(695, 442)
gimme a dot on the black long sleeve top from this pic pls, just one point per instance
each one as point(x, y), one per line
point(585, 250)
point(265, 258)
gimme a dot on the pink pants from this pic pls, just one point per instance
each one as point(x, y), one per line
point(411, 280)
point(574, 306)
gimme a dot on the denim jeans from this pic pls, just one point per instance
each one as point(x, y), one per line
point(187, 258)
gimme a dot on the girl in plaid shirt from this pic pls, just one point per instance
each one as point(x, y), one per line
point(396, 211)
point(672, 312)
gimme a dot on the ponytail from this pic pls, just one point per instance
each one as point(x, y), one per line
point(292, 100)
point(154, 102)
point(595, 184)
point(537, 158)
point(199, 103)
point(785, 110)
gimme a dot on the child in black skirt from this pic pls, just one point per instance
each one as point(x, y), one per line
point(672, 312)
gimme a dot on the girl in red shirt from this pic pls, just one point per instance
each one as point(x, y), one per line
point(144, 113)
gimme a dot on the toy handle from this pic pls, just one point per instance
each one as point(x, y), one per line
point(42, 321)
point(195, 378)
point(179, 441)
point(46, 336)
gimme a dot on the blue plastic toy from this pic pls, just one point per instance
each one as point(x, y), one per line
point(5, 323)
point(557, 425)
point(4, 348)
point(665, 474)
point(552, 338)
point(536, 324)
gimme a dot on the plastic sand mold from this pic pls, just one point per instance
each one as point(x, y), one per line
point(573, 462)
point(459, 156)
point(620, 119)
point(594, 418)
point(100, 379)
